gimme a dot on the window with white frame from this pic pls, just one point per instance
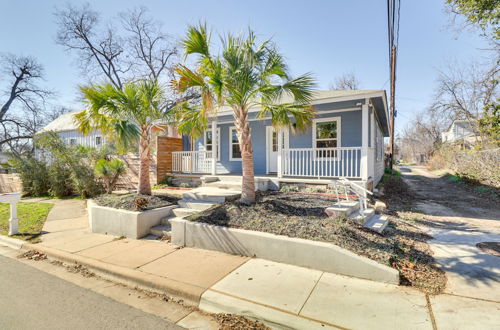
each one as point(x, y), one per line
point(72, 142)
point(209, 141)
point(98, 140)
point(326, 134)
point(234, 145)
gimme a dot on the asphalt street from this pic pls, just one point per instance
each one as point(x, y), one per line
point(31, 299)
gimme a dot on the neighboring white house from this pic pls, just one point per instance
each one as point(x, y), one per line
point(68, 131)
point(459, 130)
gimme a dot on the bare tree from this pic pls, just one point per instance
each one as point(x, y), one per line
point(463, 92)
point(23, 103)
point(130, 48)
point(347, 81)
point(422, 136)
point(154, 51)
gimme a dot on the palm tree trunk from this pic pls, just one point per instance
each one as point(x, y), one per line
point(245, 141)
point(144, 183)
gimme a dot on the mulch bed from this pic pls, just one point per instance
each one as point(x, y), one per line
point(402, 246)
point(135, 202)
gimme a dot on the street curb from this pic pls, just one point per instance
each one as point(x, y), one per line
point(188, 293)
point(13, 243)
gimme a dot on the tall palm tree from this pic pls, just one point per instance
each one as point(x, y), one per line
point(127, 115)
point(245, 74)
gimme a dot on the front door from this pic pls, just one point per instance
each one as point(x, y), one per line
point(272, 148)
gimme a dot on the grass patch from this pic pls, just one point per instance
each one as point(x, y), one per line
point(31, 217)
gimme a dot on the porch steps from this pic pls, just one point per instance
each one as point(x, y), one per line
point(362, 217)
point(195, 204)
point(377, 223)
point(342, 208)
point(182, 212)
point(161, 230)
point(211, 194)
point(230, 185)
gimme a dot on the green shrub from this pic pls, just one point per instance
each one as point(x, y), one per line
point(290, 188)
point(167, 180)
point(109, 171)
point(34, 175)
point(60, 180)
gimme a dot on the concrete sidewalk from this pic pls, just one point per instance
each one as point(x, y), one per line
point(278, 294)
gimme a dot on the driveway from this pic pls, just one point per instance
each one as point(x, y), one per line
point(458, 219)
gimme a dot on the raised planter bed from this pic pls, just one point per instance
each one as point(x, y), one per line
point(120, 222)
point(295, 251)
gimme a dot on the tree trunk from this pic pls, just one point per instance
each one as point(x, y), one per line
point(144, 183)
point(245, 141)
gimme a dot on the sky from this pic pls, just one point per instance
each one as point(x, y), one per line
point(327, 38)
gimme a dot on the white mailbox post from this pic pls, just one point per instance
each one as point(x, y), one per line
point(12, 199)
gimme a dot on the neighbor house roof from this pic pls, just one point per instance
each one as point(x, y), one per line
point(65, 122)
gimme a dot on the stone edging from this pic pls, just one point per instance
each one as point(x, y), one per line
point(322, 256)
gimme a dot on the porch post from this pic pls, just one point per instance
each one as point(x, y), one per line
point(280, 151)
point(364, 141)
point(215, 147)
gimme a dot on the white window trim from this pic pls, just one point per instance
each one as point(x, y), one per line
point(322, 120)
point(100, 140)
point(339, 135)
point(231, 128)
point(218, 141)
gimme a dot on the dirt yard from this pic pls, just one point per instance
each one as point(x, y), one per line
point(461, 220)
point(295, 214)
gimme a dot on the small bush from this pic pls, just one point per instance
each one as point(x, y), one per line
point(290, 188)
point(167, 180)
point(109, 171)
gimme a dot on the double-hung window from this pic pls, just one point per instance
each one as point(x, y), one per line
point(209, 142)
point(326, 135)
point(234, 145)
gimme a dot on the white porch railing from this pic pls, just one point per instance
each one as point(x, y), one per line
point(322, 162)
point(192, 162)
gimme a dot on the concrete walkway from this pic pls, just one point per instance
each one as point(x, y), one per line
point(279, 294)
point(458, 220)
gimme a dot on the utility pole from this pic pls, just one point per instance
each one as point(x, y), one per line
point(393, 107)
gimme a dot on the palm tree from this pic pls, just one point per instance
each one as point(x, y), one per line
point(127, 115)
point(245, 74)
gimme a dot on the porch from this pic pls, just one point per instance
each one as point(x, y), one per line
point(293, 163)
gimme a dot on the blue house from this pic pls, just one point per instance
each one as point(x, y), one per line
point(345, 140)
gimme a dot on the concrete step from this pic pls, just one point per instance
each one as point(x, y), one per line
point(182, 212)
point(161, 230)
point(195, 204)
point(224, 185)
point(377, 223)
point(362, 217)
point(211, 194)
point(342, 208)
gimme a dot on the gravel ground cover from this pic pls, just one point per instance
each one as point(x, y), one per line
point(135, 202)
point(294, 214)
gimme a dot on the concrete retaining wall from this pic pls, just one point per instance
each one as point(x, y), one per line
point(300, 252)
point(132, 224)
